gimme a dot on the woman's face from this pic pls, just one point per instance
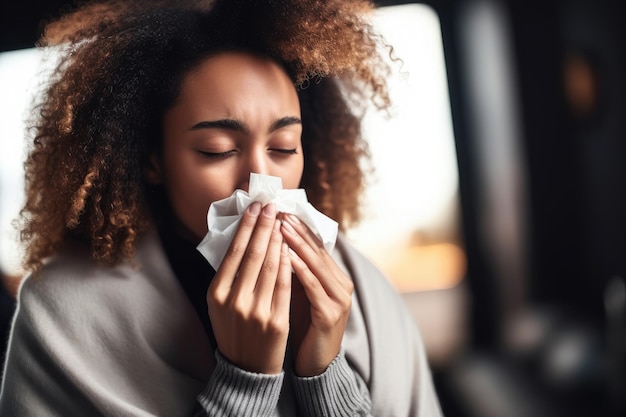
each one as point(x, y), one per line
point(236, 113)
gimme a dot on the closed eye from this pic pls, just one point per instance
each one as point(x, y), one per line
point(285, 151)
point(217, 155)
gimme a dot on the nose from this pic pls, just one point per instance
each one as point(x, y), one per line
point(255, 161)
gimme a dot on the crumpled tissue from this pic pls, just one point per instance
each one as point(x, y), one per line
point(224, 215)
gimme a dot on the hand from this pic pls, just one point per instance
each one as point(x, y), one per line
point(322, 298)
point(250, 294)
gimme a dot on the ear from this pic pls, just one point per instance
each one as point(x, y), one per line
point(152, 173)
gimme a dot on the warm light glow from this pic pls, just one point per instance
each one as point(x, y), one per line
point(18, 79)
point(424, 267)
point(410, 225)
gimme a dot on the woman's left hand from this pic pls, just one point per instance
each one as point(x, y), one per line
point(321, 308)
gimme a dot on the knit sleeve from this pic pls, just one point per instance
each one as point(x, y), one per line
point(338, 392)
point(232, 391)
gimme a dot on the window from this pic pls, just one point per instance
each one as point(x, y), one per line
point(18, 78)
point(411, 223)
point(410, 227)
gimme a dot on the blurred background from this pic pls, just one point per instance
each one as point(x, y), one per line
point(497, 198)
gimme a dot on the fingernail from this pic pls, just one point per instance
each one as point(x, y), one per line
point(255, 208)
point(269, 210)
point(294, 219)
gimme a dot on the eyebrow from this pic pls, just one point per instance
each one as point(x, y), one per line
point(239, 126)
point(284, 122)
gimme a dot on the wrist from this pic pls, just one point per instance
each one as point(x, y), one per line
point(305, 368)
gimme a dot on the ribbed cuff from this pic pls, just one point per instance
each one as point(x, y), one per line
point(338, 392)
point(231, 391)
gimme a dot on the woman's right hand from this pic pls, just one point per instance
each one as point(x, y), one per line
point(250, 294)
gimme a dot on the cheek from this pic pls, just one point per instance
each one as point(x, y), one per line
point(189, 181)
point(199, 190)
point(191, 190)
point(293, 174)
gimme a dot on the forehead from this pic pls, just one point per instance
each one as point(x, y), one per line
point(237, 78)
point(229, 69)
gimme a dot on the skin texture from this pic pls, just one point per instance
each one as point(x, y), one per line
point(322, 298)
point(97, 119)
point(235, 114)
point(238, 113)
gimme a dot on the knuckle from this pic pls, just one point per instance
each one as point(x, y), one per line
point(345, 301)
point(347, 305)
point(239, 316)
point(239, 308)
point(269, 267)
point(308, 279)
point(274, 330)
point(330, 317)
point(276, 326)
point(323, 269)
point(340, 315)
point(255, 253)
point(258, 319)
point(303, 270)
point(334, 315)
point(237, 248)
point(216, 296)
point(282, 285)
point(349, 287)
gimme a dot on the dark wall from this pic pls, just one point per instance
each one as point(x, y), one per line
point(576, 153)
point(21, 21)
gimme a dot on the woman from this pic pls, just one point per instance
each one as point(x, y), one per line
point(156, 110)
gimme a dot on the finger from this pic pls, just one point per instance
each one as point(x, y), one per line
point(225, 275)
point(256, 251)
point(328, 309)
point(312, 286)
point(303, 230)
point(315, 256)
point(310, 248)
point(282, 290)
point(269, 270)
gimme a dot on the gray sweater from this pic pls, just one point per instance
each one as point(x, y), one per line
point(126, 341)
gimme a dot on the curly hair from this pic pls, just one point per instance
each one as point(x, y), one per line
point(122, 65)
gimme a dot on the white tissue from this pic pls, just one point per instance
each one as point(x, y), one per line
point(224, 215)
